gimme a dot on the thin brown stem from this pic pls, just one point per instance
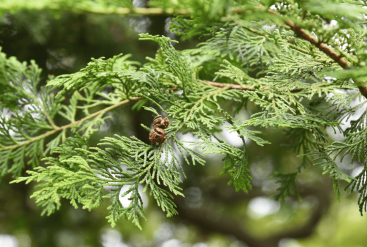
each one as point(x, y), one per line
point(215, 84)
point(46, 113)
point(71, 124)
point(322, 47)
point(247, 88)
point(232, 86)
point(338, 58)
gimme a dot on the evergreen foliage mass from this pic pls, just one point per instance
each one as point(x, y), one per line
point(302, 63)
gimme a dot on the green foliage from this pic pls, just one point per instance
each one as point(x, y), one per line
point(80, 175)
point(287, 187)
point(282, 59)
point(32, 109)
point(31, 112)
point(58, 5)
point(360, 185)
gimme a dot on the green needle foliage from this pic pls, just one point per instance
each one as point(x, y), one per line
point(80, 175)
point(287, 186)
point(283, 57)
point(20, 133)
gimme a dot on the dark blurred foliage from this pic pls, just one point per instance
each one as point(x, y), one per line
point(212, 213)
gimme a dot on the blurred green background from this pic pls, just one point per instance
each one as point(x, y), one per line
point(212, 213)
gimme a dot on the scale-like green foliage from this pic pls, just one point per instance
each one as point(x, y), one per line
point(284, 58)
point(360, 185)
point(30, 112)
point(32, 109)
point(287, 187)
point(81, 174)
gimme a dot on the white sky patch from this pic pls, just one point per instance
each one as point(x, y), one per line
point(329, 79)
point(107, 124)
point(123, 167)
point(346, 124)
point(342, 40)
point(164, 233)
point(125, 200)
point(333, 23)
point(105, 90)
point(270, 27)
point(170, 157)
point(288, 242)
point(188, 137)
point(166, 155)
point(273, 7)
point(314, 34)
point(346, 164)
point(32, 107)
point(262, 206)
point(179, 92)
point(6, 113)
point(343, 47)
point(139, 3)
point(112, 238)
point(8, 241)
point(232, 138)
point(28, 108)
point(356, 171)
point(171, 243)
point(140, 24)
point(167, 32)
point(200, 245)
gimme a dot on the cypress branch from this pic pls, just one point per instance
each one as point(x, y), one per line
point(297, 82)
